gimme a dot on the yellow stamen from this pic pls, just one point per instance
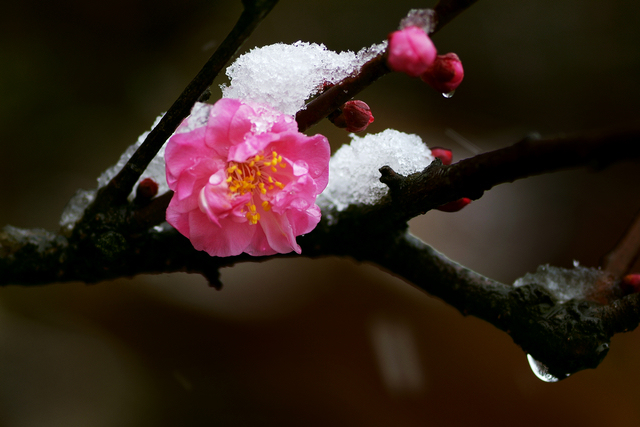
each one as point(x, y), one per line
point(255, 175)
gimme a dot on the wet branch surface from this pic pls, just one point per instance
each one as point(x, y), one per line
point(117, 238)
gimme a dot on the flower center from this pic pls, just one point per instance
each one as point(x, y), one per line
point(256, 176)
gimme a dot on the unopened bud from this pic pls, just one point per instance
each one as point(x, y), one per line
point(444, 154)
point(631, 283)
point(147, 189)
point(411, 51)
point(445, 74)
point(354, 116)
point(454, 206)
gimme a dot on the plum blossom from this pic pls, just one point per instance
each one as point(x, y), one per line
point(411, 51)
point(245, 179)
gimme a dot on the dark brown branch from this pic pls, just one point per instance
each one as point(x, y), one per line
point(330, 100)
point(31, 257)
point(439, 184)
point(120, 186)
point(333, 98)
point(566, 337)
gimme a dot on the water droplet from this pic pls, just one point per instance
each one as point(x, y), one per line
point(449, 94)
point(541, 371)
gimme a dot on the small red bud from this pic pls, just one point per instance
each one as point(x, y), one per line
point(454, 206)
point(147, 189)
point(631, 283)
point(354, 116)
point(444, 154)
point(445, 74)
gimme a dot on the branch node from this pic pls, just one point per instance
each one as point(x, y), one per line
point(392, 179)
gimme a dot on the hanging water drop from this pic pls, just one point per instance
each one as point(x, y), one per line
point(541, 371)
point(448, 94)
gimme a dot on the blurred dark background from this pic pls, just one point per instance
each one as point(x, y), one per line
point(311, 342)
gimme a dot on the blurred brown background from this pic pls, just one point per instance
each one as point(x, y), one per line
point(302, 342)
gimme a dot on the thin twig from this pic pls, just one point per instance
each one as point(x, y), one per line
point(117, 190)
point(330, 100)
point(439, 184)
point(334, 97)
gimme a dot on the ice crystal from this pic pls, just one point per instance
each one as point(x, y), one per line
point(564, 284)
point(282, 76)
point(354, 176)
point(75, 208)
point(155, 170)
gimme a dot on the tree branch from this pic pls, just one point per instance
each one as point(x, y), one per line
point(116, 238)
point(566, 337)
point(333, 98)
point(119, 188)
point(438, 184)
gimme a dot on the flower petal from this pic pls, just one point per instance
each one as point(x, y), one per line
point(278, 232)
point(229, 239)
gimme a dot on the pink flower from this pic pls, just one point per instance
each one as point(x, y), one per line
point(445, 74)
point(411, 51)
point(245, 179)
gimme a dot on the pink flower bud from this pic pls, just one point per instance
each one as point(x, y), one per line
point(454, 206)
point(354, 116)
point(445, 74)
point(411, 51)
point(444, 154)
point(147, 189)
